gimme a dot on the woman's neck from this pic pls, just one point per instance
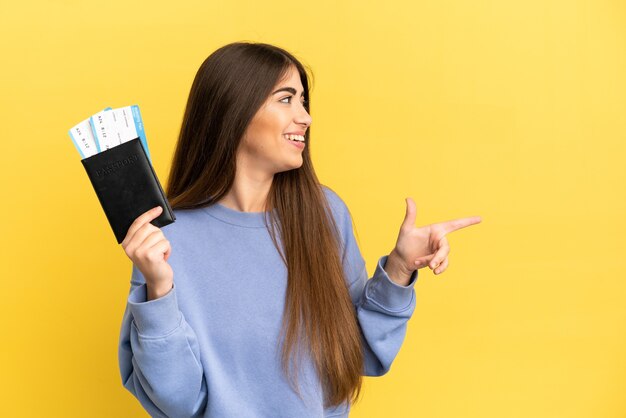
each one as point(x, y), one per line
point(249, 192)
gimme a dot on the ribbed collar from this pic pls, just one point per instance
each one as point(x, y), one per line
point(235, 217)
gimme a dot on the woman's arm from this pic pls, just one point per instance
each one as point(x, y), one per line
point(382, 306)
point(159, 357)
point(383, 309)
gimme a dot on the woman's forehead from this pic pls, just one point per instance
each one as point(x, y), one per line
point(290, 79)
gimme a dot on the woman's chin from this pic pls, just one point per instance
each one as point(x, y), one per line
point(292, 166)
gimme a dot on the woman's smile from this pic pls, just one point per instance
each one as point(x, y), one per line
point(296, 140)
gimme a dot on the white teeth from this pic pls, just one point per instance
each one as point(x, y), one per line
point(295, 137)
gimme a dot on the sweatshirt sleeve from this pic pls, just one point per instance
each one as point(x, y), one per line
point(383, 307)
point(159, 356)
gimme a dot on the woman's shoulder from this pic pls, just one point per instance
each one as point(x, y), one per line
point(340, 210)
point(187, 221)
point(333, 198)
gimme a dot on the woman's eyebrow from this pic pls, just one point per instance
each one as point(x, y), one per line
point(289, 89)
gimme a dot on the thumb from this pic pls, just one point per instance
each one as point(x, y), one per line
point(409, 217)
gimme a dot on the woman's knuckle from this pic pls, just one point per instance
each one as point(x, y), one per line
point(140, 252)
point(129, 250)
point(153, 256)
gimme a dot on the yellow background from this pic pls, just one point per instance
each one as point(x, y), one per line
point(511, 110)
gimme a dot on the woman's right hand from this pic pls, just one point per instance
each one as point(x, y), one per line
point(148, 249)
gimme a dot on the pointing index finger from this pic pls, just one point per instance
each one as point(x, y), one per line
point(456, 224)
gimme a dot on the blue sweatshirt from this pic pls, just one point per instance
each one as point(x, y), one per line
point(209, 347)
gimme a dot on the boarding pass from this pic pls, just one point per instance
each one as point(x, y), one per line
point(108, 128)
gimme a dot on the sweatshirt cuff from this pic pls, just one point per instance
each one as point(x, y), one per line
point(386, 292)
point(157, 317)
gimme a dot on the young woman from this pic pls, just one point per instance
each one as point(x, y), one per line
point(256, 301)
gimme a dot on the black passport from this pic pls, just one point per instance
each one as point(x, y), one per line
point(127, 186)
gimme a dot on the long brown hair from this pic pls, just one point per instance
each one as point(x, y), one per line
point(229, 88)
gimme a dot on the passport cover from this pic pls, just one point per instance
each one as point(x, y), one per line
point(127, 186)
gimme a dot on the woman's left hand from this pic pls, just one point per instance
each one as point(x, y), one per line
point(424, 246)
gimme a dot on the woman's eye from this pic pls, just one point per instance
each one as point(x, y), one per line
point(288, 98)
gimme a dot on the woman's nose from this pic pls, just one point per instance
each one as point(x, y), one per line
point(303, 116)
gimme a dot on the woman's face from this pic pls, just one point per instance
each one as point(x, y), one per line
point(266, 145)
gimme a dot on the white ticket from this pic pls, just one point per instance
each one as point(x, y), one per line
point(128, 125)
point(84, 140)
point(103, 126)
